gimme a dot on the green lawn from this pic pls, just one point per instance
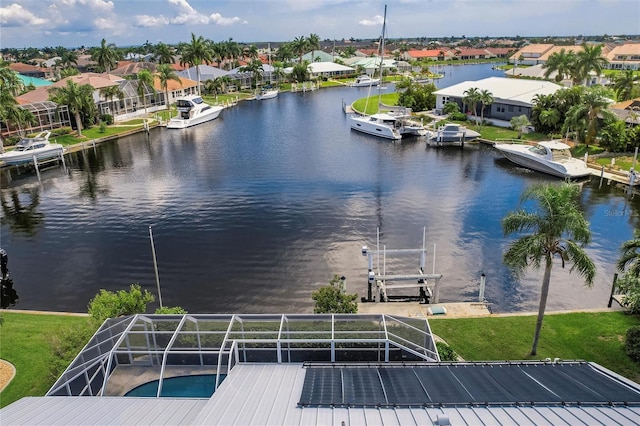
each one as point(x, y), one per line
point(597, 337)
point(26, 343)
point(623, 162)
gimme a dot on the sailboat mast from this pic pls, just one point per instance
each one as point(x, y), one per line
point(384, 29)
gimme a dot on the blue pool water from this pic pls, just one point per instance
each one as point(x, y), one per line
point(199, 386)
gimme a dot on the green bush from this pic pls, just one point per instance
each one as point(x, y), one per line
point(65, 346)
point(107, 304)
point(103, 127)
point(332, 299)
point(171, 310)
point(445, 352)
point(458, 116)
point(61, 131)
point(632, 343)
point(107, 118)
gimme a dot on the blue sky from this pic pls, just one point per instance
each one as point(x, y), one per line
point(71, 23)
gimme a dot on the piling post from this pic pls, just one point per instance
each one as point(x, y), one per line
point(155, 265)
point(482, 285)
point(35, 163)
point(613, 290)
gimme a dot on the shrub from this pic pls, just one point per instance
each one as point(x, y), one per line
point(171, 310)
point(445, 352)
point(66, 344)
point(61, 131)
point(107, 118)
point(103, 127)
point(632, 343)
point(107, 304)
point(458, 116)
point(332, 299)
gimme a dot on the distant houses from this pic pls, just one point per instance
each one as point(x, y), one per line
point(624, 56)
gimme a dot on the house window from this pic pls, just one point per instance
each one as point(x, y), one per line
point(510, 108)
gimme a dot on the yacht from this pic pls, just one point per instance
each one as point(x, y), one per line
point(382, 125)
point(267, 94)
point(452, 133)
point(551, 157)
point(37, 147)
point(193, 110)
point(365, 81)
point(407, 126)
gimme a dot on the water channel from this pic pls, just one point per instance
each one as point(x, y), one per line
point(255, 210)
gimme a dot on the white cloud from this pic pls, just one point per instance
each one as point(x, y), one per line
point(150, 21)
point(377, 20)
point(15, 15)
point(218, 19)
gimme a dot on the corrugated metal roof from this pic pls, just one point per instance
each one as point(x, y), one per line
point(268, 394)
point(56, 410)
point(507, 89)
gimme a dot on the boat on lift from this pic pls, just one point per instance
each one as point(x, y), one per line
point(193, 110)
point(452, 134)
point(37, 147)
point(551, 157)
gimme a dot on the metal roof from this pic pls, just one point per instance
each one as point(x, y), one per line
point(503, 89)
point(373, 370)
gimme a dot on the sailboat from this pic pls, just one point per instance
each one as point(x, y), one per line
point(267, 92)
point(381, 125)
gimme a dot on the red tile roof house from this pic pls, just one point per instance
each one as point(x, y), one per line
point(432, 54)
point(32, 70)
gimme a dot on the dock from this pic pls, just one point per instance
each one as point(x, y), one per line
point(420, 310)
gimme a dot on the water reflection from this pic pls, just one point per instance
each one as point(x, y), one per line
point(255, 210)
point(19, 208)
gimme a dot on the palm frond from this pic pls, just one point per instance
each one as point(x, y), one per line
point(581, 262)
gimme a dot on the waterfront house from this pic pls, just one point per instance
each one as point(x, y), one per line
point(512, 97)
point(329, 70)
point(624, 57)
point(374, 369)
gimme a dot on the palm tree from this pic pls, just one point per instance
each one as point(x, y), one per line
point(111, 92)
point(106, 56)
point(624, 83)
point(256, 70)
point(629, 261)
point(68, 58)
point(299, 46)
point(166, 73)
point(145, 85)
point(584, 116)
point(78, 98)
point(471, 99)
point(589, 59)
point(232, 51)
point(163, 54)
point(486, 98)
point(562, 63)
point(313, 41)
point(556, 229)
point(195, 53)
point(285, 52)
point(251, 51)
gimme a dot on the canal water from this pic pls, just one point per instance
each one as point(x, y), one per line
point(254, 211)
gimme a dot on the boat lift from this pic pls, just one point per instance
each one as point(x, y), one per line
point(384, 282)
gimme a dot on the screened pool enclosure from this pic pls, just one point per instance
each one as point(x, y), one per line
point(126, 352)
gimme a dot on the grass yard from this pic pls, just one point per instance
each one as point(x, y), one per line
point(26, 343)
point(597, 337)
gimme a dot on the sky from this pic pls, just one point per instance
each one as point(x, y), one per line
point(74, 23)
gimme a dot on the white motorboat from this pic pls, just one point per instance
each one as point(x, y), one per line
point(551, 157)
point(193, 110)
point(382, 125)
point(267, 94)
point(407, 126)
point(365, 81)
point(28, 149)
point(452, 133)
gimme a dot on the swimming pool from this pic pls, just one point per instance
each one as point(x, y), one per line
point(198, 386)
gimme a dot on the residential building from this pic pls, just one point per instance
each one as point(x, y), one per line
point(330, 70)
point(512, 97)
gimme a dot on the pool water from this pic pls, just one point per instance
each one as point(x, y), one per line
point(199, 386)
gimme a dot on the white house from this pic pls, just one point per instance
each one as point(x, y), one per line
point(329, 69)
point(512, 97)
